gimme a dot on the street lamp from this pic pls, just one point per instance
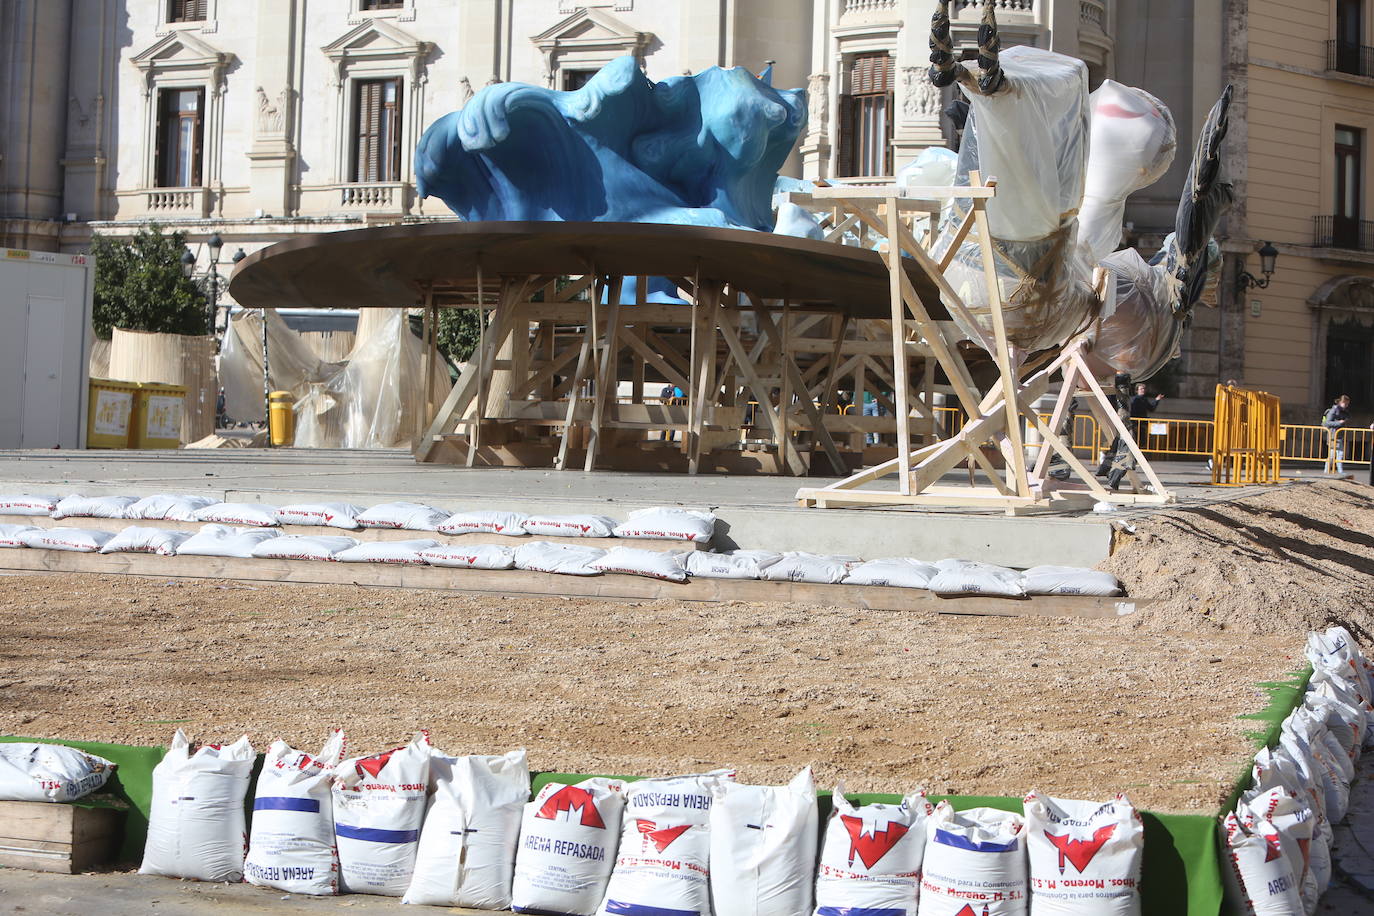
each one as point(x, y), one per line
point(215, 244)
point(1246, 280)
point(188, 263)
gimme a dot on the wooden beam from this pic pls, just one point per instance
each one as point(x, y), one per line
point(789, 368)
point(606, 379)
point(788, 455)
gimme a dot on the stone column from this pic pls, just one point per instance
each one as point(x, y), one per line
point(273, 154)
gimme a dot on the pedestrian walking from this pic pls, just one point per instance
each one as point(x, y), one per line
point(1333, 421)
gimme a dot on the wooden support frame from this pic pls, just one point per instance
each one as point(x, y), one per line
point(1001, 415)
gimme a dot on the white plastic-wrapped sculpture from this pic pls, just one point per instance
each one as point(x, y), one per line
point(1065, 162)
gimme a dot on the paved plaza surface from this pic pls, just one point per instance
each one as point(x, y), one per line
point(754, 511)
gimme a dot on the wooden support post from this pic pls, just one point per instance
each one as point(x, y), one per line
point(789, 458)
point(606, 378)
point(475, 430)
point(584, 356)
point(1016, 464)
point(791, 373)
point(896, 273)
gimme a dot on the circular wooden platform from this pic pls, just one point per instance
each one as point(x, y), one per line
point(390, 265)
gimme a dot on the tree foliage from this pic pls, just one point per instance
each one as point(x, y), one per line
point(458, 333)
point(139, 285)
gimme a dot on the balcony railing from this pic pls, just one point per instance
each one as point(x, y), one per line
point(868, 6)
point(1019, 6)
point(380, 196)
point(1343, 232)
point(1093, 12)
point(174, 202)
point(1357, 60)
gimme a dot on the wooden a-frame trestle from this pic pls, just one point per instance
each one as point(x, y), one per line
point(1006, 418)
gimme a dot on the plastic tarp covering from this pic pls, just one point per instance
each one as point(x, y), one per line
point(1137, 332)
point(374, 399)
point(1133, 144)
point(1033, 139)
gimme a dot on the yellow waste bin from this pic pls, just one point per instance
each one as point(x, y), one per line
point(110, 413)
point(157, 416)
point(281, 417)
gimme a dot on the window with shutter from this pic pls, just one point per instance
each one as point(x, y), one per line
point(186, 10)
point(382, 4)
point(865, 117)
point(377, 131)
point(180, 138)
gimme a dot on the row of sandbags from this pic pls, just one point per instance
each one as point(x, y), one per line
point(463, 831)
point(1278, 840)
point(944, 577)
point(663, 523)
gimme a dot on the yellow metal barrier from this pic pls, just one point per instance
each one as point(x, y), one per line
point(1245, 438)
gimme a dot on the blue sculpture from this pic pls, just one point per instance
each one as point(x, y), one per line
point(700, 150)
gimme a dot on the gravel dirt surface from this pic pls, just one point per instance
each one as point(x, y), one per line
point(1145, 704)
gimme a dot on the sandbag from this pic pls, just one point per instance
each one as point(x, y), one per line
point(485, 522)
point(568, 840)
point(467, 846)
point(247, 515)
point(895, 572)
point(33, 772)
point(1336, 651)
point(20, 504)
point(1069, 580)
point(393, 553)
point(379, 805)
point(570, 526)
point(1296, 824)
point(196, 824)
point(1277, 767)
point(667, 523)
point(974, 858)
point(664, 858)
point(763, 848)
point(78, 540)
point(92, 506)
point(414, 516)
point(568, 559)
point(1306, 740)
point(469, 556)
point(653, 564)
point(871, 856)
point(165, 507)
point(965, 577)
point(1257, 875)
point(138, 539)
point(333, 515)
point(292, 843)
point(1342, 719)
point(10, 535)
point(1085, 856)
point(225, 541)
point(799, 566)
point(304, 547)
point(730, 564)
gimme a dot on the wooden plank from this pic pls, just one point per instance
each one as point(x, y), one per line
point(896, 271)
point(788, 455)
point(605, 377)
point(789, 368)
point(57, 838)
point(520, 582)
point(906, 194)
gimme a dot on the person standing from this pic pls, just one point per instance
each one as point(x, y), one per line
point(1142, 405)
point(1334, 421)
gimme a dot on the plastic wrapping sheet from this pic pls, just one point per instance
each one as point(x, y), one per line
point(1137, 332)
point(1034, 140)
point(377, 399)
point(374, 399)
point(291, 361)
point(1133, 144)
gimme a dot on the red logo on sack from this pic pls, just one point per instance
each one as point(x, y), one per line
point(870, 847)
point(570, 799)
point(373, 765)
point(663, 838)
point(1272, 849)
point(968, 910)
point(1080, 852)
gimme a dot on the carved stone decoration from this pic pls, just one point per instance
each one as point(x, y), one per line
point(920, 98)
point(1345, 293)
point(271, 118)
point(465, 92)
point(818, 98)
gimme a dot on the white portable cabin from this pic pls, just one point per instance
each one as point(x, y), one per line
point(45, 345)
